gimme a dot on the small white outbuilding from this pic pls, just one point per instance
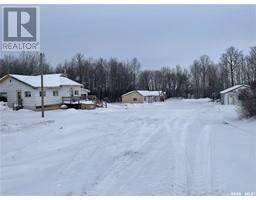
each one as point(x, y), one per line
point(230, 95)
point(25, 91)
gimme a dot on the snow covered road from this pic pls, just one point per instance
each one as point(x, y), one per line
point(178, 147)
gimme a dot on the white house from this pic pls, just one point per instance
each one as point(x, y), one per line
point(141, 96)
point(25, 90)
point(230, 95)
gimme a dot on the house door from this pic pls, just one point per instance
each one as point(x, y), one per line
point(71, 92)
point(19, 98)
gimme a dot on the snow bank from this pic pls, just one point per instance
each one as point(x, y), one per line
point(71, 110)
point(87, 102)
point(3, 106)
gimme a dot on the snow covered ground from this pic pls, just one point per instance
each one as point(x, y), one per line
point(178, 147)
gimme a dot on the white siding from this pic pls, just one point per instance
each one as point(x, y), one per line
point(231, 97)
point(49, 99)
point(11, 86)
point(66, 91)
point(225, 98)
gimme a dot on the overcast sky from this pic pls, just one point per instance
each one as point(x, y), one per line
point(158, 35)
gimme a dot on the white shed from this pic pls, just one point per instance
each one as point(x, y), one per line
point(230, 95)
point(25, 90)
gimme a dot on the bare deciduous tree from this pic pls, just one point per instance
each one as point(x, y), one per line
point(231, 60)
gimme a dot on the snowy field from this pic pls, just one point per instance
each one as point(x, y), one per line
point(178, 147)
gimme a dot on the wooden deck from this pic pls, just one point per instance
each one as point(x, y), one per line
point(79, 102)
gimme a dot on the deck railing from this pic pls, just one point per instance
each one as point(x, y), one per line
point(72, 99)
point(77, 100)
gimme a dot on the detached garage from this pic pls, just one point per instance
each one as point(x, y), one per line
point(141, 96)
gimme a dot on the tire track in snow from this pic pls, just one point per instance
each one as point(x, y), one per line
point(205, 178)
point(126, 160)
point(190, 177)
point(201, 180)
point(114, 149)
point(180, 185)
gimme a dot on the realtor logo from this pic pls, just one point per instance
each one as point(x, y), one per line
point(20, 29)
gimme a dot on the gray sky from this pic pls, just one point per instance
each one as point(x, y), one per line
point(158, 35)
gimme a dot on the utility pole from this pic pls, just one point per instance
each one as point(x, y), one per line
point(42, 84)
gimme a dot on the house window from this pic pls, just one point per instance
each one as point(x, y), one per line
point(76, 92)
point(27, 94)
point(3, 96)
point(40, 93)
point(134, 99)
point(55, 93)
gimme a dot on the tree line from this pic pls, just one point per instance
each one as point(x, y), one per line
point(111, 78)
